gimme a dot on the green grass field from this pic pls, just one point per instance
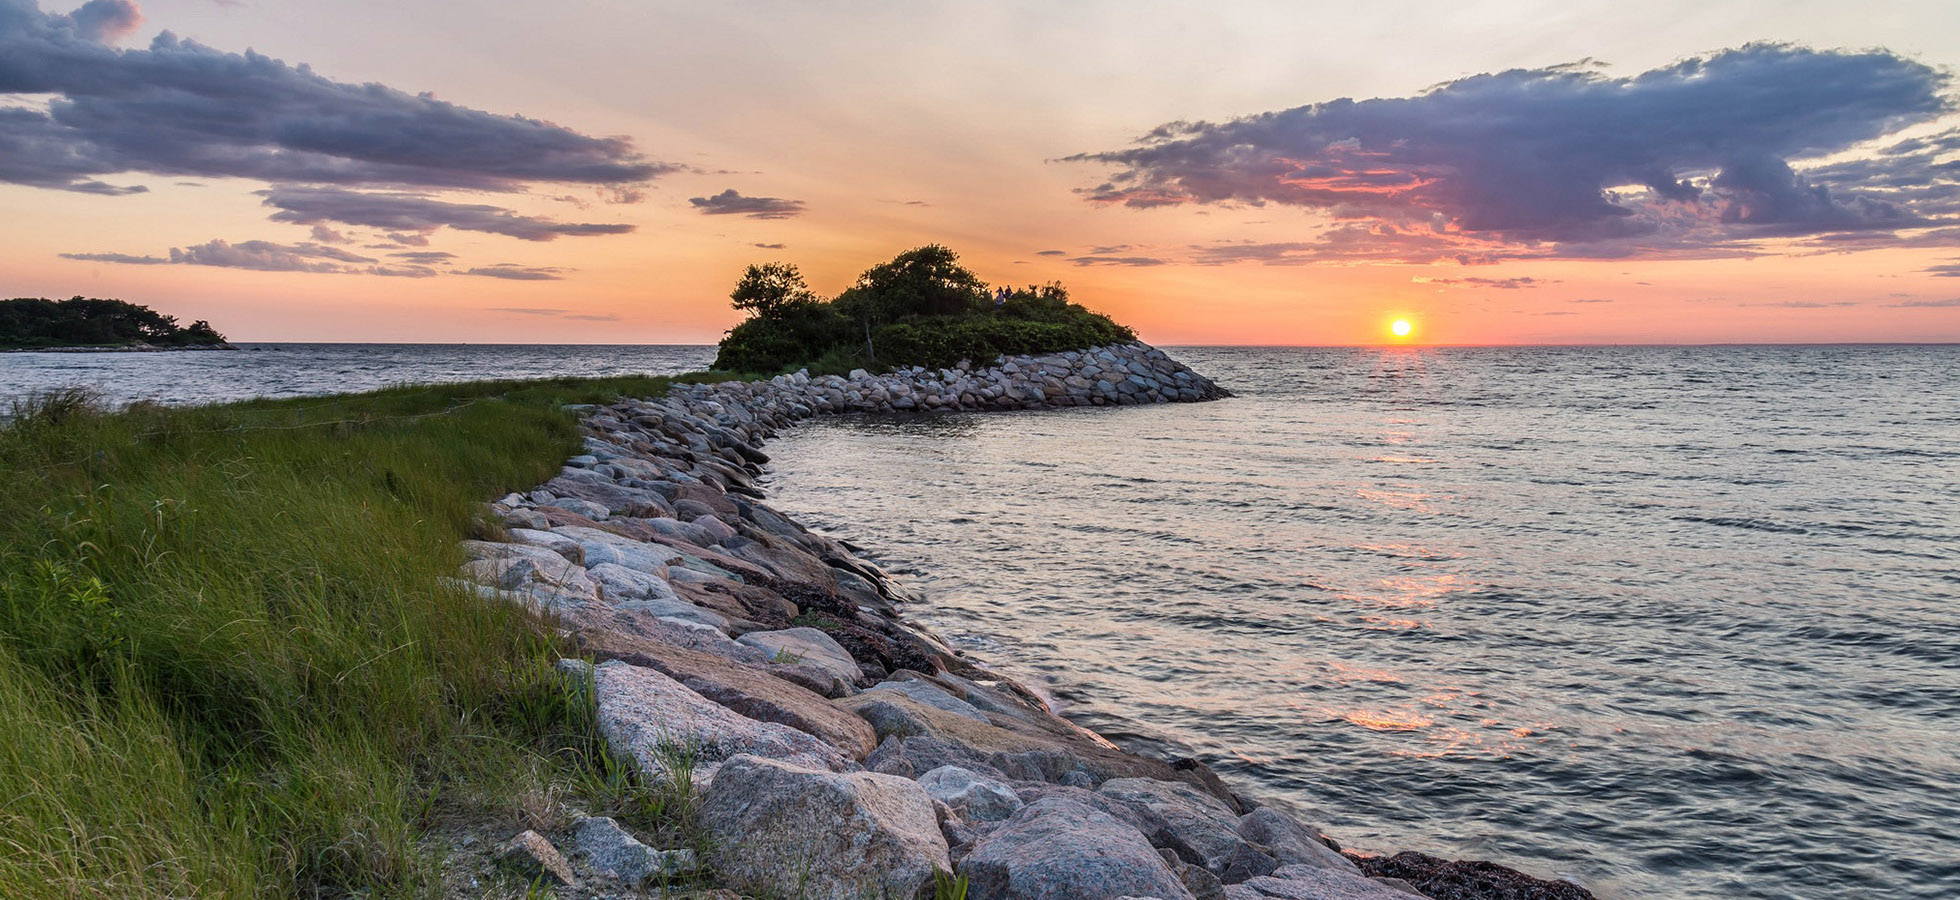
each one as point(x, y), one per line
point(228, 666)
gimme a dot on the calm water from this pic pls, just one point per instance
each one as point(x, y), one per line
point(294, 370)
point(1672, 622)
point(1675, 623)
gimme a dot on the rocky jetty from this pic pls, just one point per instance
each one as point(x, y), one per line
point(839, 752)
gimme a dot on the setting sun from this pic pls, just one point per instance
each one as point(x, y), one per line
point(1401, 328)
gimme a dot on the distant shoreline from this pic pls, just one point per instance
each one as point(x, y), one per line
point(115, 348)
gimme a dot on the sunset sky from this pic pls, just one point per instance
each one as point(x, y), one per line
point(1211, 173)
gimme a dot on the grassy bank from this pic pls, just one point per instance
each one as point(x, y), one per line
point(228, 666)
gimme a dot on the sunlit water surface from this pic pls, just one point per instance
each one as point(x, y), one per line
point(1673, 622)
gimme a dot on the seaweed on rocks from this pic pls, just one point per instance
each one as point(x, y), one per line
point(1469, 879)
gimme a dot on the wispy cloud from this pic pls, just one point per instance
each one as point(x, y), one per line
point(1508, 284)
point(556, 313)
point(516, 272)
point(1927, 304)
point(1118, 261)
point(405, 214)
point(1693, 159)
point(731, 203)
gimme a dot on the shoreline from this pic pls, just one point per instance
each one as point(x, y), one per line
point(825, 729)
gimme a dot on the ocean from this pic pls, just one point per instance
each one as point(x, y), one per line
point(1672, 622)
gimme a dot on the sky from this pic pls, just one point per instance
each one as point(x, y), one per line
point(600, 171)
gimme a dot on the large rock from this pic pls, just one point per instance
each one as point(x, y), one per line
point(807, 646)
point(1291, 842)
point(1312, 883)
point(660, 723)
point(606, 547)
point(975, 796)
point(786, 830)
point(753, 690)
point(1199, 827)
point(534, 571)
point(1057, 849)
point(1045, 751)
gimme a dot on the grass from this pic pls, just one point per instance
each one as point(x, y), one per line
point(229, 667)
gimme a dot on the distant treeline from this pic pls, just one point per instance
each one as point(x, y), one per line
point(922, 308)
point(28, 322)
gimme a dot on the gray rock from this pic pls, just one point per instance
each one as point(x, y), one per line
point(621, 584)
point(549, 578)
point(1200, 827)
point(606, 547)
point(612, 853)
point(584, 508)
point(786, 830)
point(534, 858)
point(556, 543)
point(1290, 842)
point(931, 695)
point(1311, 883)
point(1058, 849)
point(808, 646)
point(659, 722)
point(975, 796)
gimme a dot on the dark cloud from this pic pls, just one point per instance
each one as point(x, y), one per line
point(326, 235)
point(1805, 304)
point(424, 257)
point(1944, 270)
point(181, 108)
point(1118, 261)
point(404, 213)
point(730, 203)
point(1928, 304)
point(409, 240)
point(769, 246)
point(1051, 253)
point(1692, 159)
point(516, 272)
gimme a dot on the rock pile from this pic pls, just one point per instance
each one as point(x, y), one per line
point(1116, 375)
point(840, 752)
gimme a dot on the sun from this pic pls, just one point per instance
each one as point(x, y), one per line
point(1401, 328)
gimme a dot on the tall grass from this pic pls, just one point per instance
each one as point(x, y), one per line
point(228, 666)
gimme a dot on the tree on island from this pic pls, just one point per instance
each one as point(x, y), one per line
point(920, 308)
point(33, 322)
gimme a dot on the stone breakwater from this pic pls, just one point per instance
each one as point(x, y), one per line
point(1116, 375)
point(838, 751)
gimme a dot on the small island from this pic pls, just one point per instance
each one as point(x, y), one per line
point(922, 308)
point(88, 323)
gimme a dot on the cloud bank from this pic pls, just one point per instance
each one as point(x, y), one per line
point(1690, 159)
point(90, 116)
point(181, 108)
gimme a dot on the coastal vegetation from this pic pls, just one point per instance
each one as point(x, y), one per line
point(921, 308)
point(231, 664)
point(28, 323)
